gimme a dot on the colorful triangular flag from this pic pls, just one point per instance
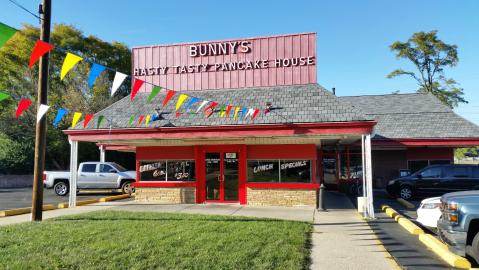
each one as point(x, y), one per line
point(202, 105)
point(180, 101)
point(156, 89)
point(76, 118)
point(256, 111)
point(6, 32)
point(60, 113)
point(41, 48)
point(249, 113)
point(136, 86)
point(95, 71)
point(140, 120)
point(211, 106)
point(99, 120)
point(70, 61)
point(155, 117)
point(228, 110)
point(147, 120)
point(192, 101)
point(131, 119)
point(42, 110)
point(87, 120)
point(244, 111)
point(236, 113)
point(222, 110)
point(169, 95)
point(4, 96)
point(22, 106)
point(117, 81)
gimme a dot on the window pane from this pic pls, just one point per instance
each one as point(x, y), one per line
point(475, 172)
point(416, 165)
point(152, 170)
point(356, 166)
point(296, 171)
point(181, 170)
point(431, 173)
point(105, 168)
point(343, 166)
point(89, 168)
point(263, 170)
point(329, 170)
point(457, 172)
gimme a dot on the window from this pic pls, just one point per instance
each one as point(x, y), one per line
point(106, 168)
point(432, 173)
point(279, 171)
point(88, 168)
point(167, 170)
point(457, 172)
point(475, 172)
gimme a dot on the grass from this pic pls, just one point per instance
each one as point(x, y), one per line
point(127, 240)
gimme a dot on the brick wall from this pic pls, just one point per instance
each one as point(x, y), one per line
point(166, 194)
point(281, 197)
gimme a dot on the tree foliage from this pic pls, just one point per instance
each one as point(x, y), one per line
point(430, 56)
point(72, 93)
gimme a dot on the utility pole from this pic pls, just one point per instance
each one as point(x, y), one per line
point(41, 128)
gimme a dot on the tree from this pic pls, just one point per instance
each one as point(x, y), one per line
point(430, 56)
point(72, 93)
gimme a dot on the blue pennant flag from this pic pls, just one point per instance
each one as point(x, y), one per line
point(192, 101)
point(61, 112)
point(244, 111)
point(95, 70)
point(155, 117)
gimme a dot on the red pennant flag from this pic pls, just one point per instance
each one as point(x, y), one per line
point(178, 114)
point(39, 50)
point(211, 106)
point(228, 110)
point(255, 114)
point(87, 120)
point(140, 120)
point(22, 106)
point(208, 114)
point(136, 86)
point(169, 95)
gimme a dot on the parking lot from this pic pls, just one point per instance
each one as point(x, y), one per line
point(22, 197)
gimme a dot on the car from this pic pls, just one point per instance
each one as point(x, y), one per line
point(429, 212)
point(458, 226)
point(435, 180)
point(92, 175)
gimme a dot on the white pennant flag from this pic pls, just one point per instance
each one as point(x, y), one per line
point(42, 110)
point(202, 105)
point(117, 81)
point(249, 113)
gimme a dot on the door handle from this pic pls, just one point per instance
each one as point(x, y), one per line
point(82, 175)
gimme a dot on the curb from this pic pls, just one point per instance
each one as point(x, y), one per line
point(428, 240)
point(47, 207)
point(405, 203)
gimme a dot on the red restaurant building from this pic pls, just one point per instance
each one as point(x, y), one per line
point(303, 135)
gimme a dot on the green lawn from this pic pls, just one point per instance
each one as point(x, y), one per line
point(126, 240)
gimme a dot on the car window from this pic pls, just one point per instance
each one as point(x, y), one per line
point(431, 173)
point(457, 172)
point(475, 172)
point(89, 168)
point(105, 168)
point(118, 167)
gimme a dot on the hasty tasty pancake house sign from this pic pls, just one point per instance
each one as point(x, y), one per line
point(262, 61)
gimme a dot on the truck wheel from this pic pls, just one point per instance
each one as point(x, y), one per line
point(405, 192)
point(473, 250)
point(127, 188)
point(61, 188)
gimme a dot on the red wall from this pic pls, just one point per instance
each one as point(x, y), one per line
point(430, 153)
point(282, 151)
point(165, 152)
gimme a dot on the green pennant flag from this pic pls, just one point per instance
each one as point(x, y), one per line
point(99, 120)
point(3, 96)
point(131, 119)
point(153, 93)
point(6, 32)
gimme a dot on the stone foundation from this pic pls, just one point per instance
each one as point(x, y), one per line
point(166, 194)
point(281, 197)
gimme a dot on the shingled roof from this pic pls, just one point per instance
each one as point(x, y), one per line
point(408, 116)
point(308, 103)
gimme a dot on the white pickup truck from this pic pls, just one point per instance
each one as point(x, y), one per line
point(92, 175)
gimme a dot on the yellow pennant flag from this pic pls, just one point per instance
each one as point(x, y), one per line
point(70, 61)
point(147, 120)
point(180, 100)
point(236, 112)
point(76, 118)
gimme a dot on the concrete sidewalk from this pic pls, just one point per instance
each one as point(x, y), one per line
point(342, 239)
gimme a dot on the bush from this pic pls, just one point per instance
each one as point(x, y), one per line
point(15, 157)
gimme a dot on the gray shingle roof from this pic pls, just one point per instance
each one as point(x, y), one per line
point(402, 116)
point(308, 103)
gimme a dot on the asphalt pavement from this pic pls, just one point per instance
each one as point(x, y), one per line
point(22, 197)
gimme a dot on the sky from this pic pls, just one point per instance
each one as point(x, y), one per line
point(353, 37)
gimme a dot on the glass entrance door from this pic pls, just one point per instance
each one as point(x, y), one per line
point(221, 175)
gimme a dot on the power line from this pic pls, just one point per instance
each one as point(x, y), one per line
point(25, 9)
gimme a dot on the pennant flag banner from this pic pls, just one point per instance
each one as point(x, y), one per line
point(154, 92)
point(140, 120)
point(211, 106)
point(42, 110)
point(236, 112)
point(255, 114)
point(244, 111)
point(180, 101)
point(22, 106)
point(192, 101)
point(6, 32)
point(99, 120)
point(222, 110)
point(228, 110)
point(76, 118)
point(155, 117)
point(3, 96)
point(70, 61)
point(250, 112)
point(178, 114)
point(169, 95)
point(95, 71)
point(38, 51)
point(60, 113)
point(209, 113)
point(136, 86)
point(202, 105)
point(147, 120)
point(131, 119)
point(87, 120)
point(117, 81)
